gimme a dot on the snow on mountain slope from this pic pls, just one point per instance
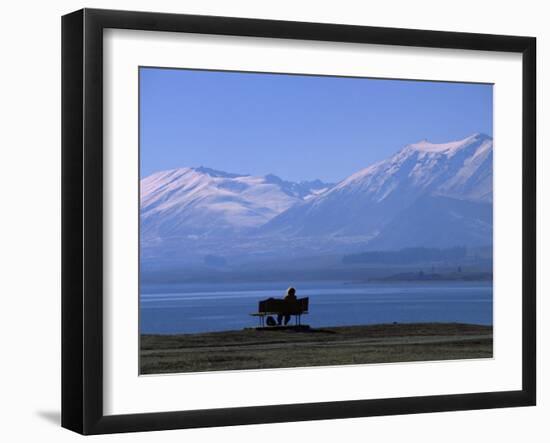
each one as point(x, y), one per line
point(426, 194)
point(367, 200)
point(439, 168)
point(191, 202)
point(474, 180)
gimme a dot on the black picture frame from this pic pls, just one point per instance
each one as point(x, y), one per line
point(82, 217)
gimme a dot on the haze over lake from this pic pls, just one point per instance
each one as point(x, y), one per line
point(195, 308)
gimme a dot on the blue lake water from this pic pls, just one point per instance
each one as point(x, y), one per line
point(192, 308)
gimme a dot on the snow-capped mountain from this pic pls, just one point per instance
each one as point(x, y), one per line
point(194, 202)
point(427, 194)
point(365, 202)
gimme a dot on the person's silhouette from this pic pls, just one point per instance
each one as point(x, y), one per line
point(289, 297)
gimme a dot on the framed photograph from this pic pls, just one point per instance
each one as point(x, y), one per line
point(269, 221)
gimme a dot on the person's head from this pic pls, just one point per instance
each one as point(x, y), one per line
point(291, 291)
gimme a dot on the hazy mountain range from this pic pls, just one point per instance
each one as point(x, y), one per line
point(429, 195)
point(203, 202)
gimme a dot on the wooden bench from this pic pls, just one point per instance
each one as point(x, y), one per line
point(279, 306)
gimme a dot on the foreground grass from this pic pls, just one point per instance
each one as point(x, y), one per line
point(252, 349)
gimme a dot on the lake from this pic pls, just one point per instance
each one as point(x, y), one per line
point(193, 308)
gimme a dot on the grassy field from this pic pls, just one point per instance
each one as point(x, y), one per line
point(254, 349)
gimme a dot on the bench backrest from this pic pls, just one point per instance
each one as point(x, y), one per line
point(281, 306)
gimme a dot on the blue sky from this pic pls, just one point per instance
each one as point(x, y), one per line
point(297, 127)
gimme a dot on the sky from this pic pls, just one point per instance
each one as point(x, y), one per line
point(294, 126)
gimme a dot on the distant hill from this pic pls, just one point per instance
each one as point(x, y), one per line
point(407, 256)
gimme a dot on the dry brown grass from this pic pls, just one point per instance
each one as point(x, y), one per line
point(252, 349)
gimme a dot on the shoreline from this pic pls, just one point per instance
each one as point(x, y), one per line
point(327, 346)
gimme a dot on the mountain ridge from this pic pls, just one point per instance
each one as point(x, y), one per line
point(375, 194)
point(199, 201)
point(421, 193)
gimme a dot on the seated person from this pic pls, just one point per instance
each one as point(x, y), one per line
point(289, 297)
